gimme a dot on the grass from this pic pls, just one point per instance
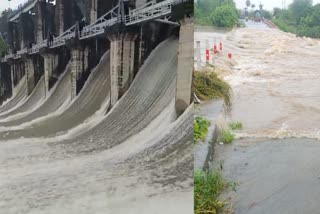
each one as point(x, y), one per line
point(235, 125)
point(201, 128)
point(208, 186)
point(226, 136)
point(207, 86)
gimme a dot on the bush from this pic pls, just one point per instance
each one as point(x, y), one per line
point(301, 18)
point(224, 16)
point(201, 128)
point(208, 186)
point(3, 48)
point(204, 11)
point(226, 136)
point(235, 125)
point(207, 85)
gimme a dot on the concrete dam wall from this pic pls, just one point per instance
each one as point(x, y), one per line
point(97, 108)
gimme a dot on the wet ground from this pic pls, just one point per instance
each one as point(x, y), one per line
point(273, 176)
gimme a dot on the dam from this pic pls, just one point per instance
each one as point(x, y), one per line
point(97, 113)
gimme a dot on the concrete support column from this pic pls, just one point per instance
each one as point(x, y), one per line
point(39, 23)
point(12, 76)
point(141, 47)
point(59, 17)
point(76, 69)
point(30, 75)
point(127, 62)
point(185, 66)
point(93, 11)
point(86, 58)
point(121, 64)
point(49, 67)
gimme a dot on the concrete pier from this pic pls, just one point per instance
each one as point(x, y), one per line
point(30, 74)
point(121, 63)
point(12, 70)
point(77, 66)
point(93, 10)
point(50, 64)
point(185, 66)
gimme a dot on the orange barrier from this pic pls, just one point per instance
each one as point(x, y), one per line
point(215, 50)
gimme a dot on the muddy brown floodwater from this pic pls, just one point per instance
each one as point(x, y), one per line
point(275, 82)
point(276, 94)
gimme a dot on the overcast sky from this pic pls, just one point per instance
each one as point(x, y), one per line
point(14, 4)
point(267, 4)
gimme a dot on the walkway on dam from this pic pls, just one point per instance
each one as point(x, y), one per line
point(126, 156)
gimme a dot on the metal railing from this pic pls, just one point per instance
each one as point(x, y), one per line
point(61, 40)
point(9, 56)
point(23, 51)
point(98, 27)
point(152, 10)
point(36, 48)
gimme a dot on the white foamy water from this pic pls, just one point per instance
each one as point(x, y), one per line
point(275, 83)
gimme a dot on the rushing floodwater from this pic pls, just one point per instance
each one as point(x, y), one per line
point(276, 81)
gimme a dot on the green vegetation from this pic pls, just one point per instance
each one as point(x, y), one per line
point(220, 13)
point(3, 47)
point(266, 14)
point(301, 18)
point(3, 30)
point(208, 186)
point(207, 85)
point(201, 127)
point(235, 125)
point(226, 136)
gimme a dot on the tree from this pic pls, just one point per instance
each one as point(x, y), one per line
point(299, 9)
point(261, 6)
point(277, 12)
point(3, 47)
point(253, 6)
point(225, 16)
point(204, 9)
point(266, 14)
point(248, 3)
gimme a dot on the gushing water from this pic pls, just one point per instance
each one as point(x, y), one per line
point(276, 83)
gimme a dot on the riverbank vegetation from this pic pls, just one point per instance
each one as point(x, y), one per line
point(3, 31)
point(201, 128)
point(301, 18)
point(3, 47)
point(208, 187)
point(226, 136)
point(216, 13)
point(236, 125)
point(207, 86)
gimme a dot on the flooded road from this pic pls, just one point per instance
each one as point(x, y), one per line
point(275, 81)
point(276, 94)
point(279, 176)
